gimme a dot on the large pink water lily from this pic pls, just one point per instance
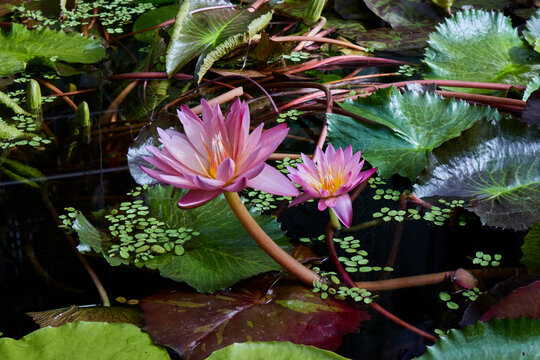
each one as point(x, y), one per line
point(329, 177)
point(216, 155)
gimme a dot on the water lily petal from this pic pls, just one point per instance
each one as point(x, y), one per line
point(272, 181)
point(343, 209)
point(208, 184)
point(238, 185)
point(301, 198)
point(195, 198)
point(225, 170)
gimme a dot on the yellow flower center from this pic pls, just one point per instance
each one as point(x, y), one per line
point(328, 181)
point(216, 154)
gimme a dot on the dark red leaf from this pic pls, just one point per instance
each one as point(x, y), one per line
point(522, 302)
point(196, 324)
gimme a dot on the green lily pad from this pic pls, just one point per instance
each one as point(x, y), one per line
point(480, 45)
point(532, 32)
point(497, 339)
point(404, 13)
point(275, 350)
point(409, 126)
point(83, 341)
point(533, 85)
point(403, 40)
point(221, 255)
point(495, 167)
point(45, 47)
point(153, 18)
point(211, 33)
point(531, 250)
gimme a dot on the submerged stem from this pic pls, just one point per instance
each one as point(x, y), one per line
point(268, 245)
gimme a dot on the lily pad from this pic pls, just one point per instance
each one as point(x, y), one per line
point(45, 47)
point(495, 167)
point(531, 250)
point(83, 341)
point(402, 41)
point(195, 325)
point(211, 33)
point(275, 350)
point(532, 31)
point(222, 254)
point(109, 314)
point(409, 126)
point(404, 13)
point(531, 113)
point(522, 302)
point(494, 340)
point(480, 45)
point(533, 85)
point(153, 18)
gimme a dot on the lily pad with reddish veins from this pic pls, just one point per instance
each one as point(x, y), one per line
point(195, 324)
point(522, 302)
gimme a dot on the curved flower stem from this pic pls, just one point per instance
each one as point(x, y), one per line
point(268, 245)
point(345, 276)
point(316, 39)
point(294, 267)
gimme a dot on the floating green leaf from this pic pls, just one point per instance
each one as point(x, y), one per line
point(409, 126)
point(222, 254)
point(531, 250)
point(533, 85)
point(532, 32)
point(83, 341)
point(404, 13)
point(495, 340)
point(153, 18)
point(401, 40)
point(496, 167)
point(211, 33)
point(22, 46)
point(480, 45)
point(195, 324)
point(275, 350)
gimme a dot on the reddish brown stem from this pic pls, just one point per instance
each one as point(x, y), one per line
point(59, 92)
point(345, 276)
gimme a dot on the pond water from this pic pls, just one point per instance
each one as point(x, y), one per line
point(82, 164)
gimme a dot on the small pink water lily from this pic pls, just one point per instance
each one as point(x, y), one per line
point(216, 155)
point(329, 177)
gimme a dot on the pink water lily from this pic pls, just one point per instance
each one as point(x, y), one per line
point(329, 177)
point(216, 155)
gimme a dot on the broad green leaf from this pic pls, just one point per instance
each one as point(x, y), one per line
point(522, 302)
point(109, 314)
point(9, 132)
point(498, 339)
point(9, 103)
point(401, 41)
point(346, 28)
point(496, 167)
point(83, 341)
point(409, 126)
point(275, 350)
point(221, 255)
point(404, 13)
point(22, 46)
point(533, 85)
point(196, 324)
point(480, 45)
point(532, 32)
point(531, 250)
point(211, 33)
point(153, 18)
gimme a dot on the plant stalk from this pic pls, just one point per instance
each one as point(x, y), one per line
point(268, 245)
